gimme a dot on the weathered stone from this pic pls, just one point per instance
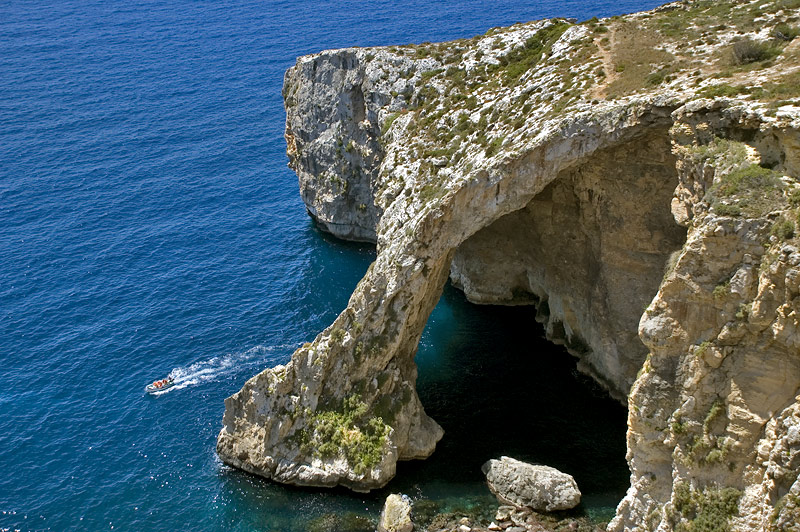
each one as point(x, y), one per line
point(504, 512)
point(715, 405)
point(396, 514)
point(524, 485)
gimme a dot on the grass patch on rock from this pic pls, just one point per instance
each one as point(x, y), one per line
point(520, 60)
point(751, 191)
point(707, 510)
point(348, 431)
point(638, 59)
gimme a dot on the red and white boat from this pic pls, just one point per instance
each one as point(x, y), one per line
point(160, 385)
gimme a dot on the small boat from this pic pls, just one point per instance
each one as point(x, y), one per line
point(160, 385)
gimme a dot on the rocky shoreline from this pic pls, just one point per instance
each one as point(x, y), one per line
point(533, 498)
point(427, 516)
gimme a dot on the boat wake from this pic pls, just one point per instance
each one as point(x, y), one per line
point(217, 367)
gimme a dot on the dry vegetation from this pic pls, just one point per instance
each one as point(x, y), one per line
point(704, 41)
point(481, 92)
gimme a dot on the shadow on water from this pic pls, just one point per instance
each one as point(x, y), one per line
point(489, 377)
point(497, 387)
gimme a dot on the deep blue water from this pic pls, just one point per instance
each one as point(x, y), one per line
point(148, 225)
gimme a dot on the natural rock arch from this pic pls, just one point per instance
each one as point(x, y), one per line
point(432, 149)
point(361, 368)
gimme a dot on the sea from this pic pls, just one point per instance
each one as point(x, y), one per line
point(149, 226)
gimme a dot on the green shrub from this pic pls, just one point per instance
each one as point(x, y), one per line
point(722, 90)
point(724, 209)
point(749, 51)
point(786, 512)
point(716, 410)
point(720, 150)
point(743, 311)
point(794, 197)
point(388, 122)
point(337, 335)
point(429, 192)
point(785, 88)
point(521, 59)
point(428, 74)
point(783, 229)
point(348, 431)
point(494, 145)
point(722, 289)
point(702, 348)
point(708, 510)
point(436, 152)
point(422, 51)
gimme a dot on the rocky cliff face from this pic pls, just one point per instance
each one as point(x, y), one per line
point(713, 417)
point(563, 165)
point(333, 141)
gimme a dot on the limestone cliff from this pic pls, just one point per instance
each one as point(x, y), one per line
point(563, 165)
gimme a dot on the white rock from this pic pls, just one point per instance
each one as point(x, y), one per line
point(526, 485)
point(396, 514)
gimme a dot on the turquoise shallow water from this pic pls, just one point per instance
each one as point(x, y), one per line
point(148, 225)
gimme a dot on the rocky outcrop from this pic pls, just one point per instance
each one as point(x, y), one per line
point(589, 251)
point(563, 165)
point(537, 487)
point(396, 514)
point(334, 146)
point(358, 376)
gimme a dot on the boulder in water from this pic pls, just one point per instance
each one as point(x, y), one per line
point(524, 485)
point(396, 514)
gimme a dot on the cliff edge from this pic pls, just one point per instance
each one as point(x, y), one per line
point(635, 178)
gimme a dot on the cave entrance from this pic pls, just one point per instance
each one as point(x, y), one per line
point(497, 386)
point(589, 251)
point(573, 271)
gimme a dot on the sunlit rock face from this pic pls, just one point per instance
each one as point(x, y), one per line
point(590, 251)
point(713, 417)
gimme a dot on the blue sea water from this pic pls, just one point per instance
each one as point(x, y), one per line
point(149, 225)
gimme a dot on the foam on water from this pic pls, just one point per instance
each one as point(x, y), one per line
point(218, 367)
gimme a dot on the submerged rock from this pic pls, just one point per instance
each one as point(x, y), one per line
point(396, 514)
point(349, 522)
point(526, 485)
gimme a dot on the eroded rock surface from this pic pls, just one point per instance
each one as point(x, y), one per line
point(713, 416)
point(396, 514)
point(589, 251)
point(537, 487)
point(558, 164)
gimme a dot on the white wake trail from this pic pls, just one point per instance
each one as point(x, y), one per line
point(223, 365)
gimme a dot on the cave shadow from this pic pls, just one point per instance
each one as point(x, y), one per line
point(489, 377)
